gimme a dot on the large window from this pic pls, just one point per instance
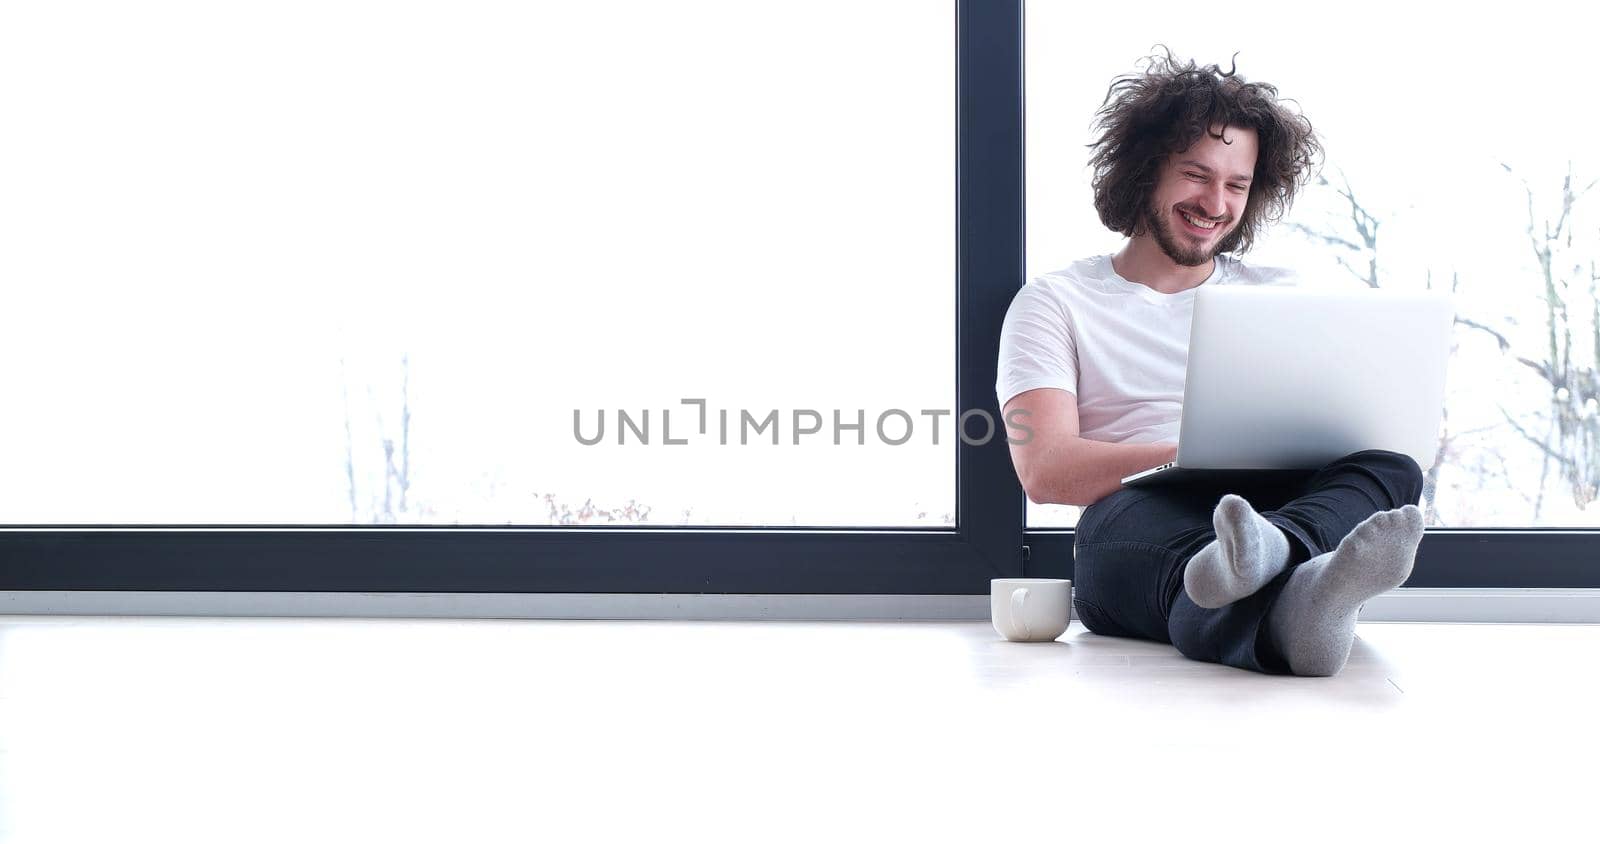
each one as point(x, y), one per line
point(358, 263)
point(1458, 158)
point(622, 297)
point(329, 298)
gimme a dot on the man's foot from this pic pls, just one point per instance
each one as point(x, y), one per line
point(1248, 552)
point(1313, 621)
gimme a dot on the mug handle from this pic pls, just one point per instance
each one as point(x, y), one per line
point(1019, 599)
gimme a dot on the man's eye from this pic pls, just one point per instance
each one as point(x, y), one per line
point(1192, 175)
point(1237, 187)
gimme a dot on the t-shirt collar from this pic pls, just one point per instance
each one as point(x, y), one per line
point(1109, 273)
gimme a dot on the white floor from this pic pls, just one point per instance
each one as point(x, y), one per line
point(228, 730)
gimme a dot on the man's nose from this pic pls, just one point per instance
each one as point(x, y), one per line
point(1213, 202)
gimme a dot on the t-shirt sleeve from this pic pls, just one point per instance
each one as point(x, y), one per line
point(1037, 346)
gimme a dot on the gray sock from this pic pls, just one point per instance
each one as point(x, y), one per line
point(1248, 552)
point(1313, 621)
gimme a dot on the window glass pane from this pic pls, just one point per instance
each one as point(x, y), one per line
point(1450, 146)
point(363, 262)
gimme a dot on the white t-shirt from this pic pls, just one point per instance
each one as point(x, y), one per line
point(1120, 347)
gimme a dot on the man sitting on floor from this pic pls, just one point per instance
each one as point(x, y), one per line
point(1267, 575)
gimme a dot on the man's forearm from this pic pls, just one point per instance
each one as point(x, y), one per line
point(1084, 471)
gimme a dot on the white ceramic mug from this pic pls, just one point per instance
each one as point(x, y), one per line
point(1030, 609)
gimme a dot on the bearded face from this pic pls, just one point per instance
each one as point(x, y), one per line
point(1201, 195)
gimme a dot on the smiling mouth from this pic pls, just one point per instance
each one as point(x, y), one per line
point(1206, 225)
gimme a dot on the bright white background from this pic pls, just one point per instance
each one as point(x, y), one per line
point(224, 227)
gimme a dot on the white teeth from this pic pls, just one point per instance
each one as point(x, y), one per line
point(1200, 223)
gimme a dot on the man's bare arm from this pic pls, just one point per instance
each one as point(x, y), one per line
point(1057, 466)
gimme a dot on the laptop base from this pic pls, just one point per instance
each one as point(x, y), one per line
point(1176, 475)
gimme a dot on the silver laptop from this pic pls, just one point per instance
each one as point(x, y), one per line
point(1284, 378)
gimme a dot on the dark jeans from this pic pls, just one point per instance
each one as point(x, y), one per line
point(1132, 547)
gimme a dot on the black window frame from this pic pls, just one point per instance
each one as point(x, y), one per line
point(990, 539)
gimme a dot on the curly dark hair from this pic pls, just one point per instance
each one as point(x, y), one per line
point(1148, 116)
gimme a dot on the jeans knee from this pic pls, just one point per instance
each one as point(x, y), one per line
point(1411, 479)
point(1117, 588)
point(1095, 619)
point(1415, 477)
point(1192, 636)
point(1401, 471)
